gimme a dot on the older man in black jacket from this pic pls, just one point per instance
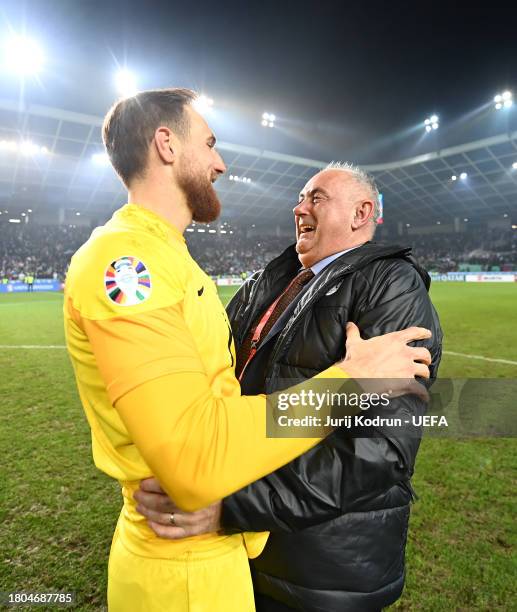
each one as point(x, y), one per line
point(338, 515)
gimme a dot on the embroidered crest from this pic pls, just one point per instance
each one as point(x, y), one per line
point(127, 281)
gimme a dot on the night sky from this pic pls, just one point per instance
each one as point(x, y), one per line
point(346, 80)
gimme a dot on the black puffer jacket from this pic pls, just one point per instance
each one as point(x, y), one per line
point(338, 515)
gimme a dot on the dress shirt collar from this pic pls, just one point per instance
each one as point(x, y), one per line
point(323, 263)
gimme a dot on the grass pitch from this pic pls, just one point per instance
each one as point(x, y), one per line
point(57, 512)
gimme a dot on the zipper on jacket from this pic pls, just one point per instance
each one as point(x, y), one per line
point(409, 488)
point(324, 286)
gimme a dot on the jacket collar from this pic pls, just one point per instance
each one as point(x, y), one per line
point(287, 263)
point(346, 264)
point(280, 271)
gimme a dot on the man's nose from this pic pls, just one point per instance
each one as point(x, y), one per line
point(302, 208)
point(219, 165)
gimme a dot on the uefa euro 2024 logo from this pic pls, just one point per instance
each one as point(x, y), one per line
point(127, 281)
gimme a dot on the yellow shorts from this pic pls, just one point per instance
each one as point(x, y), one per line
point(206, 581)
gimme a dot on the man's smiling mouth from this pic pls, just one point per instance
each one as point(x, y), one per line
point(306, 228)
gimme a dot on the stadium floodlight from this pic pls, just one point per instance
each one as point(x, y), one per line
point(14, 220)
point(268, 120)
point(126, 83)
point(22, 56)
point(454, 177)
point(432, 123)
point(29, 209)
point(8, 145)
point(438, 223)
point(465, 219)
point(239, 179)
point(505, 215)
point(101, 159)
point(25, 147)
point(203, 104)
point(514, 165)
point(503, 100)
point(463, 176)
point(77, 214)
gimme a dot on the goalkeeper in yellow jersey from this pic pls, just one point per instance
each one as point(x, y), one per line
point(153, 356)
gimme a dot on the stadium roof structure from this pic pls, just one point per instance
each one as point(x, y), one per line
point(418, 190)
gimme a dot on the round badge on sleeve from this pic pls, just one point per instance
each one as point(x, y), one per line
point(127, 281)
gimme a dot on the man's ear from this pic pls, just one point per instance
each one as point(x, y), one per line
point(163, 142)
point(362, 214)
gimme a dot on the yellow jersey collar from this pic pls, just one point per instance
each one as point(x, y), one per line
point(136, 214)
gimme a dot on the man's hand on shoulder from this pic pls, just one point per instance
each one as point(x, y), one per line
point(167, 520)
point(387, 360)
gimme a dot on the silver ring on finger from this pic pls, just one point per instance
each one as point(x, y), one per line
point(171, 519)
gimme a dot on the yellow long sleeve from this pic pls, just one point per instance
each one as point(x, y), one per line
point(200, 444)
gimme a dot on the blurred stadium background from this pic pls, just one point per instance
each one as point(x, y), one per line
point(456, 206)
point(449, 193)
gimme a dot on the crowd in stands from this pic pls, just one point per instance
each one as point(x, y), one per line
point(487, 249)
point(38, 250)
point(233, 254)
point(45, 251)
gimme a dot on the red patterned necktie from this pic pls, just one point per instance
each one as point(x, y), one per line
point(265, 322)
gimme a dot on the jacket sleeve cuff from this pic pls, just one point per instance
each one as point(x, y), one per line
point(231, 517)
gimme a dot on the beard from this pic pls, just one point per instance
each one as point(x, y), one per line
point(200, 195)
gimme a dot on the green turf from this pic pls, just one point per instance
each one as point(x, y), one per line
point(478, 319)
point(57, 512)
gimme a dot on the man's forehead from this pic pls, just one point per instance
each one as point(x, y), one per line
point(326, 180)
point(197, 122)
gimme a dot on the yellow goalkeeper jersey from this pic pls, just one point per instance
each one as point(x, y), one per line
point(153, 355)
